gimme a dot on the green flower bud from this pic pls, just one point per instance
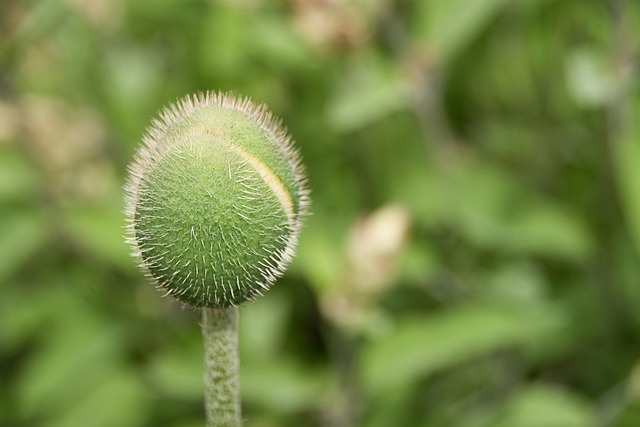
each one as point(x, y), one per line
point(215, 200)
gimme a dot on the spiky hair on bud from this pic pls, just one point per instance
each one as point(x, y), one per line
point(215, 200)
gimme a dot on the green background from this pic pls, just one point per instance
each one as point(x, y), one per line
point(472, 258)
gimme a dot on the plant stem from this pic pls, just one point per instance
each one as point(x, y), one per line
point(221, 363)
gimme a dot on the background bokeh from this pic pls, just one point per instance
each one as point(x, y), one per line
point(473, 255)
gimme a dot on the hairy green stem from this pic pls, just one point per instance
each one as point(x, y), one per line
point(221, 363)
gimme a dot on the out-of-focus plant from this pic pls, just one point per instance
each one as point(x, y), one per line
point(490, 146)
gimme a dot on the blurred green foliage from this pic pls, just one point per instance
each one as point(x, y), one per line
point(473, 255)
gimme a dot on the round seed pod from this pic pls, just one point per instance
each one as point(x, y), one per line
point(215, 200)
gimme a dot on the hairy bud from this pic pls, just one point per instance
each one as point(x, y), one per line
point(215, 200)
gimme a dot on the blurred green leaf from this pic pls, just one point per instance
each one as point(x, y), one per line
point(101, 229)
point(626, 155)
point(132, 83)
point(421, 346)
point(517, 284)
point(283, 386)
point(23, 314)
point(225, 44)
point(394, 409)
point(545, 405)
point(370, 91)
point(633, 388)
point(177, 370)
point(277, 44)
point(630, 417)
point(262, 331)
point(590, 78)
point(23, 233)
point(119, 400)
point(79, 353)
point(492, 210)
point(549, 230)
point(448, 26)
point(321, 256)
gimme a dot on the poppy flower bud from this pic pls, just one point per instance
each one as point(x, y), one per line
point(215, 200)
